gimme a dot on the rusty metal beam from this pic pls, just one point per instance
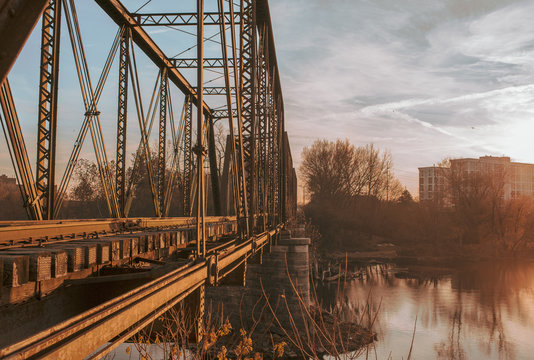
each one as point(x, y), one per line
point(23, 231)
point(223, 114)
point(162, 143)
point(214, 174)
point(248, 87)
point(188, 156)
point(121, 317)
point(208, 63)
point(199, 148)
point(118, 13)
point(47, 122)
point(122, 121)
point(17, 151)
point(17, 20)
point(181, 19)
point(216, 90)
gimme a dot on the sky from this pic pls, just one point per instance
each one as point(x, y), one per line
point(422, 79)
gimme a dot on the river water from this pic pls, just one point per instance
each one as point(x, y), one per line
point(482, 311)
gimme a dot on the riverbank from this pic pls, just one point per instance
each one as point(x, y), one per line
point(330, 266)
point(382, 250)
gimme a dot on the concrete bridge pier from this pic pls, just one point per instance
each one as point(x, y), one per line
point(276, 279)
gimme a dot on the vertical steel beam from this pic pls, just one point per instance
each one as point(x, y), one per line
point(240, 196)
point(271, 121)
point(278, 159)
point(120, 171)
point(199, 149)
point(248, 93)
point(47, 122)
point(162, 140)
point(214, 174)
point(188, 156)
point(237, 143)
point(262, 128)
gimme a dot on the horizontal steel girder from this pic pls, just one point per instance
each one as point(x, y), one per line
point(208, 63)
point(182, 19)
point(223, 113)
point(216, 90)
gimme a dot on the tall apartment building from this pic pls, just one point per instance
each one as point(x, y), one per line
point(432, 183)
point(518, 178)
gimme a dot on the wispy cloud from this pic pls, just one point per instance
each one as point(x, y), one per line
point(424, 79)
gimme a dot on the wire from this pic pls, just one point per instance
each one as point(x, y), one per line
point(145, 4)
point(194, 46)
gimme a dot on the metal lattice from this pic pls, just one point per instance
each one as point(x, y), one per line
point(120, 175)
point(47, 123)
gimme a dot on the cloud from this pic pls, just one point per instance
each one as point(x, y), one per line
point(424, 79)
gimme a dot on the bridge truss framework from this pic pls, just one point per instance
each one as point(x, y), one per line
point(260, 181)
point(254, 188)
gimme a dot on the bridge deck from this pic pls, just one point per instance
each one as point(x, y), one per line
point(119, 318)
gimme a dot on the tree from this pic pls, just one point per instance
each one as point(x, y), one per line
point(340, 170)
point(406, 197)
point(477, 197)
point(350, 188)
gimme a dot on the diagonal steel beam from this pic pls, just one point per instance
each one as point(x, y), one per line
point(17, 151)
point(118, 13)
point(17, 20)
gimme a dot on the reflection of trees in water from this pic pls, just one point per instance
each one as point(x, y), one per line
point(488, 323)
point(485, 294)
point(452, 350)
point(474, 306)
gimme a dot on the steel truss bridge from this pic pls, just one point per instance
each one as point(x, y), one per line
point(229, 75)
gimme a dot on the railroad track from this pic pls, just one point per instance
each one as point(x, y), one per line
point(106, 326)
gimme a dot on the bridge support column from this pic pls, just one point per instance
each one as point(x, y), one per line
point(194, 308)
point(272, 280)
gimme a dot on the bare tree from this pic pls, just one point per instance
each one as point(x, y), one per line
point(338, 169)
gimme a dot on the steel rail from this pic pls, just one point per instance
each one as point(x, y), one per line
point(122, 316)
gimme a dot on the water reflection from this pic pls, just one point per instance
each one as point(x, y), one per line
point(483, 311)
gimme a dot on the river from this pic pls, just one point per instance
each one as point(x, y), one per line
point(482, 311)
